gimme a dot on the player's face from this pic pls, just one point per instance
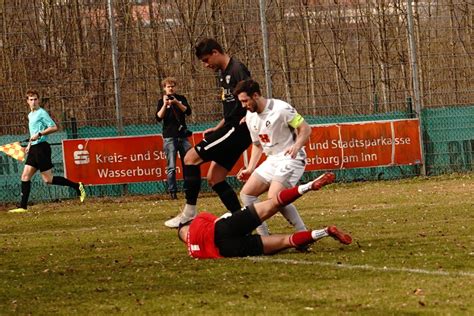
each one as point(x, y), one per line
point(247, 102)
point(33, 101)
point(182, 232)
point(212, 60)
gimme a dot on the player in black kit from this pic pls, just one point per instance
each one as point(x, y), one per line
point(222, 144)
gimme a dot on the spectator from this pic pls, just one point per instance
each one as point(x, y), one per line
point(172, 110)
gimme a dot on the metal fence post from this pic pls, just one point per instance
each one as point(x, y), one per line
point(416, 85)
point(113, 42)
point(266, 58)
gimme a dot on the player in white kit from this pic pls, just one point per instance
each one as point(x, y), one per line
point(280, 132)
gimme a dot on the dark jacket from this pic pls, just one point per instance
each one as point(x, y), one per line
point(174, 121)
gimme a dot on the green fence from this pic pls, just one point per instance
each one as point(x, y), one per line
point(448, 138)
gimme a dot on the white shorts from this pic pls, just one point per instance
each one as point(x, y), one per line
point(282, 169)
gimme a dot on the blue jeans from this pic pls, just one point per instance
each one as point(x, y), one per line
point(171, 147)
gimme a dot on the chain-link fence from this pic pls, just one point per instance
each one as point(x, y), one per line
point(335, 62)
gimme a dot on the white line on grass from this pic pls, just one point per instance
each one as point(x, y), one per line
point(360, 267)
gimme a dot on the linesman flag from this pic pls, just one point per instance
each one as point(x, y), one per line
point(14, 150)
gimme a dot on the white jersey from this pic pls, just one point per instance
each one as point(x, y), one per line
point(274, 128)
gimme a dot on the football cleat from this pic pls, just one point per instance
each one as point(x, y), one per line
point(18, 210)
point(335, 233)
point(322, 180)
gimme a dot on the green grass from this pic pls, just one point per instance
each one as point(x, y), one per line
point(413, 253)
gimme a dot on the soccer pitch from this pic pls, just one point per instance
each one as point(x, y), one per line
point(413, 253)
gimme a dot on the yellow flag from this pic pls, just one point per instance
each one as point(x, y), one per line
point(14, 150)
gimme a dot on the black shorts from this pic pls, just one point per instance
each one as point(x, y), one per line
point(39, 157)
point(232, 235)
point(225, 145)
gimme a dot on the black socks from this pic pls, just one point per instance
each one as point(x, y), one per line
point(192, 180)
point(25, 193)
point(65, 182)
point(227, 196)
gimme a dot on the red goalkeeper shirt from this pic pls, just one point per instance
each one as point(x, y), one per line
point(200, 239)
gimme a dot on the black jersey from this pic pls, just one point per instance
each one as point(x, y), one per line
point(229, 78)
point(174, 120)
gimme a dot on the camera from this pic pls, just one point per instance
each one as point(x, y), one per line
point(170, 97)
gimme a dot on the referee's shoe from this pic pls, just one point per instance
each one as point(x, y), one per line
point(18, 210)
point(81, 192)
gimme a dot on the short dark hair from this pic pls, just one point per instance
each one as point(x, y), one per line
point(248, 86)
point(206, 46)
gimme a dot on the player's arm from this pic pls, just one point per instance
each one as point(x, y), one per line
point(162, 106)
point(47, 131)
point(303, 132)
point(245, 172)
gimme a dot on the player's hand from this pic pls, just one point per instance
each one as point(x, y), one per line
point(292, 151)
point(244, 174)
point(166, 102)
point(27, 149)
point(242, 120)
point(34, 137)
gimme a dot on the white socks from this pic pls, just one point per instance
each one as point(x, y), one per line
point(293, 217)
point(319, 234)
point(303, 188)
point(288, 211)
point(189, 210)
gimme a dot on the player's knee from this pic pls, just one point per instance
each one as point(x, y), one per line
point(191, 157)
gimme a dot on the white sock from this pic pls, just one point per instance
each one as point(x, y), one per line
point(303, 188)
point(248, 199)
point(262, 230)
point(293, 217)
point(319, 234)
point(189, 210)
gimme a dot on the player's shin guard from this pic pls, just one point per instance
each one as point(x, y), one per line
point(227, 196)
point(192, 181)
point(25, 193)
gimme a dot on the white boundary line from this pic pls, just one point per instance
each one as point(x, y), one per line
point(360, 267)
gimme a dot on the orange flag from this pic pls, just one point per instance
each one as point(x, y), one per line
point(14, 150)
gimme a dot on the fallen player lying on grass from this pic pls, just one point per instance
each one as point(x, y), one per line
point(208, 236)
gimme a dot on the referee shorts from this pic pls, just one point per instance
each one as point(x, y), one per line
point(39, 156)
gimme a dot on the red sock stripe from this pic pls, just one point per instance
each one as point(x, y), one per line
point(292, 243)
